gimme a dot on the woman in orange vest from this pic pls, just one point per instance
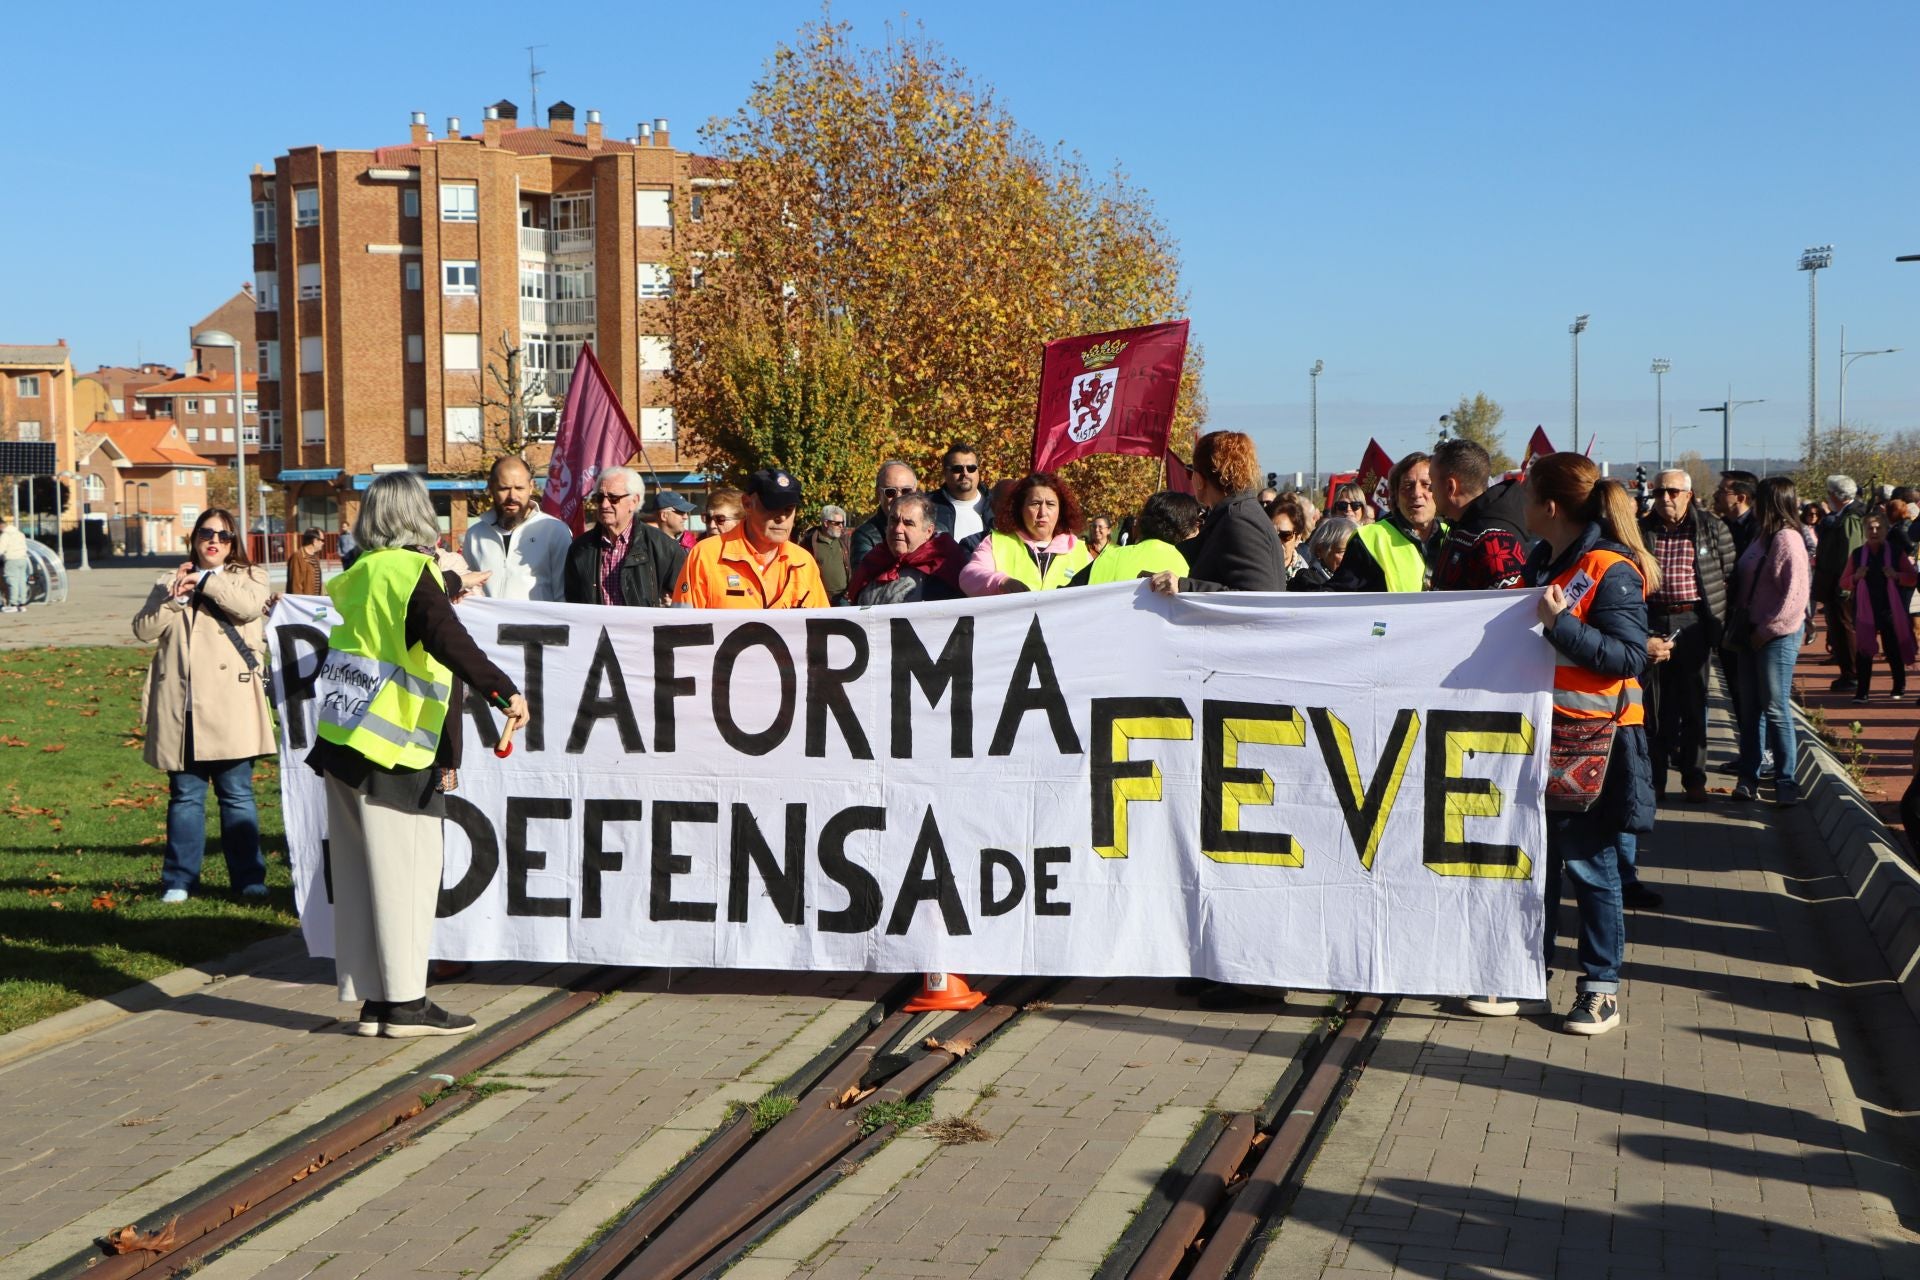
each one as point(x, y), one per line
point(1598, 574)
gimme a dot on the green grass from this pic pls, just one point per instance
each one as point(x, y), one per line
point(902, 1115)
point(82, 834)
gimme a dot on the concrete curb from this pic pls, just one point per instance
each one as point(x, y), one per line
point(1866, 854)
point(85, 1019)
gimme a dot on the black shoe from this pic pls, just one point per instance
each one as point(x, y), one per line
point(422, 1017)
point(1637, 897)
point(1859, 698)
point(1594, 1013)
point(372, 1014)
point(1843, 685)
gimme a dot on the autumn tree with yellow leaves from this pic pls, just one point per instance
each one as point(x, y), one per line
point(890, 254)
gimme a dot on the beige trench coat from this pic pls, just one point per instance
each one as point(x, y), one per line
point(229, 702)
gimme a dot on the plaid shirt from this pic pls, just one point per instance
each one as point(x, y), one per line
point(613, 553)
point(1679, 580)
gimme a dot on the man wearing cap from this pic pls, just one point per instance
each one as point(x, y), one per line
point(667, 511)
point(756, 564)
point(522, 547)
point(621, 561)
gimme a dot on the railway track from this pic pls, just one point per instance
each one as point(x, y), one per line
point(767, 1163)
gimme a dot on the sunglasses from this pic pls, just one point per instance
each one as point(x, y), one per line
point(963, 467)
point(601, 499)
point(213, 535)
point(714, 517)
point(1288, 535)
point(835, 522)
point(894, 493)
point(1349, 506)
point(1668, 493)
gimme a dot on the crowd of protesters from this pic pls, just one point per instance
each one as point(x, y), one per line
point(1642, 598)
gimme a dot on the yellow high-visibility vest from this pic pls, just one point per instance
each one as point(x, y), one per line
point(376, 694)
point(1011, 557)
point(1123, 564)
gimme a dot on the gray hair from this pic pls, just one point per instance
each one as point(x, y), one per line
point(880, 474)
point(920, 500)
point(1330, 535)
point(636, 487)
point(829, 511)
point(1686, 478)
point(397, 512)
point(1842, 487)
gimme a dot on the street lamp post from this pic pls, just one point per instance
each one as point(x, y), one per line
point(221, 338)
point(1813, 261)
point(1313, 414)
point(1578, 327)
point(79, 492)
point(1660, 366)
point(1846, 361)
point(1725, 409)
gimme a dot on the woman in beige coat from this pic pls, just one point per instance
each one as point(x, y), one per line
point(205, 704)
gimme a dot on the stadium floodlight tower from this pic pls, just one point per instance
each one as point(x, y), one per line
point(1813, 261)
point(1313, 416)
point(1660, 366)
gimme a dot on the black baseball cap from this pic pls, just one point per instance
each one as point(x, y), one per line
point(776, 490)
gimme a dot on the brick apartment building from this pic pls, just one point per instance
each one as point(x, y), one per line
point(108, 391)
point(142, 484)
point(202, 404)
point(387, 282)
point(36, 404)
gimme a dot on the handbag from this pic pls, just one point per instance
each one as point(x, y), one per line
point(1577, 759)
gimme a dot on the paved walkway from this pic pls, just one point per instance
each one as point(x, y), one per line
point(99, 609)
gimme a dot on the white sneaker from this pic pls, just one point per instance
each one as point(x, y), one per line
point(174, 895)
point(1505, 1007)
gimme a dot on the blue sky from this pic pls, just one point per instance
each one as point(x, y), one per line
point(1421, 196)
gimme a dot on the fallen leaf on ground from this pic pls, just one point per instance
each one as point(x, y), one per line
point(28, 811)
point(958, 1048)
point(131, 1239)
point(134, 1122)
point(104, 902)
point(52, 747)
point(8, 740)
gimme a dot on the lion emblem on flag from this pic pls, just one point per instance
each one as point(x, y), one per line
point(1090, 404)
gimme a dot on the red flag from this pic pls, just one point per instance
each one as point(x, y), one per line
point(594, 435)
point(1108, 393)
point(1538, 446)
point(1179, 475)
point(1374, 466)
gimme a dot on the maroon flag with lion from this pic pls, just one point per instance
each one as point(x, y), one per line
point(1375, 465)
point(1108, 393)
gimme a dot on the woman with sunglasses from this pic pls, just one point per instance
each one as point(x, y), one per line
point(205, 704)
point(1350, 503)
point(722, 513)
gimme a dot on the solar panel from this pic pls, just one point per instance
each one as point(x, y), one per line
point(26, 458)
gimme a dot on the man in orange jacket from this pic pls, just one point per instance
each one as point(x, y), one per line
point(755, 565)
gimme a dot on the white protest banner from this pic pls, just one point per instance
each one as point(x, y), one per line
point(1320, 791)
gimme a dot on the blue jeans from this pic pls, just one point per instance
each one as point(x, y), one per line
point(1591, 855)
point(1766, 680)
point(187, 824)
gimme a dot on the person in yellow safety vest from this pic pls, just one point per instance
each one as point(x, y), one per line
point(1034, 545)
point(1597, 575)
point(1398, 551)
point(1167, 520)
point(389, 745)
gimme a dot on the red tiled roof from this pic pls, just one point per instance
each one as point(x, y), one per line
point(150, 442)
point(197, 384)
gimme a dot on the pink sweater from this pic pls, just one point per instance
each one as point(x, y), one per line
point(1776, 598)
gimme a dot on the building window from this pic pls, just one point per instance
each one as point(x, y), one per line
point(188, 515)
point(313, 426)
point(656, 426)
point(410, 202)
point(193, 435)
point(94, 487)
point(655, 281)
point(306, 206)
point(226, 434)
point(311, 359)
point(266, 291)
point(269, 359)
point(413, 276)
point(462, 351)
point(698, 208)
point(180, 476)
point(264, 223)
point(460, 278)
point(653, 208)
point(656, 354)
point(270, 429)
point(30, 430)
point(459, 202)
point(251, 406)
point(416, 349)
point(193, 406)
point(416, 422)
point(463, 424)
point(28, 387)
point(309, 280)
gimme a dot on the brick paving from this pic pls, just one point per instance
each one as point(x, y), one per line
point(1886, 730)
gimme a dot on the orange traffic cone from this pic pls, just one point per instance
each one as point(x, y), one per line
point(943, 992)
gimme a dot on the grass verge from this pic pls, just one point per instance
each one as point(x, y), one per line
point(82, 834)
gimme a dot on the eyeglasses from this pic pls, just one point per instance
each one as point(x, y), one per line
point(891, 492)
point(714, 517)
point(1287, 535)
point(1348, 506)
point(213, 535)
point(1668, 493)
point(967, 468)
point(834, 522)
point(602, 499)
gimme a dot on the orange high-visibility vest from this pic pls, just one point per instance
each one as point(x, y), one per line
point(1580, 694)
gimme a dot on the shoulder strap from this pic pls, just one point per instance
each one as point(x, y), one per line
point(219, 615)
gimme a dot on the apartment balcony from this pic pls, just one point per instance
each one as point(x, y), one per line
point(569, 240)
point(556, 312)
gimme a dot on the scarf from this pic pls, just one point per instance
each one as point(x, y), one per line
point(938, 557)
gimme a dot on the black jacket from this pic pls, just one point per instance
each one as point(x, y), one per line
point(1741, 527)
point(943, 505)
point(1713, 561)
point(1486, 550)
point(1611, 641)
point(871, 533)
point(647, 574)
point(1235, 550)
point(1359, 571)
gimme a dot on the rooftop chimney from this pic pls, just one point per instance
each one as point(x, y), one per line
point(560, 117)
point(453, 128)
point(594, 131)
point(490, 128)
point(660, 131)
point(420, 127)
point(508, 112)
point(646, 135)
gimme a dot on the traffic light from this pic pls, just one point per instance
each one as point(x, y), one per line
point(1640, 477)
